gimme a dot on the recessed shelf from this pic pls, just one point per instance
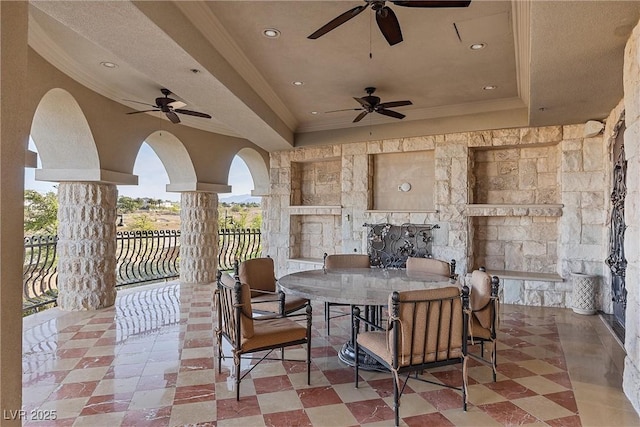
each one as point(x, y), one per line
point(315, 210)
point(525, 275)
point(551, 210)
point(398, 211)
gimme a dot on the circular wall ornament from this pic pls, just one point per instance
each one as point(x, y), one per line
point(404, 187)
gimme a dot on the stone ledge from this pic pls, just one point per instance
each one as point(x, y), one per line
point(550, 210)
point(400, 211)
point(315, 210)
point(525, 275)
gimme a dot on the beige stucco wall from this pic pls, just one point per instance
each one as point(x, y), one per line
point(117, 137)
point(14, 125)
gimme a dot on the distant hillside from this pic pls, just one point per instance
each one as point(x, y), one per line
point(241, 198)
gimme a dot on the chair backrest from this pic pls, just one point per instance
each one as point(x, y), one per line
point(346, 261)
point(427, 325)
point(258, 273)
point(431, 265)
point(481, 293)
point(234, 308)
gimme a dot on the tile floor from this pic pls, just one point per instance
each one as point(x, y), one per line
point(149, 361)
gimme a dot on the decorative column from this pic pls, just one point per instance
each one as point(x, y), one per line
point(198, 237)
point(86, 245)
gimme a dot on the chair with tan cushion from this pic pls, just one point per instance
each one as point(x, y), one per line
point(426, 329)
point(341, 261)
point(484, 315)
point(247, 334)
point(431, 265)
point(259, 274)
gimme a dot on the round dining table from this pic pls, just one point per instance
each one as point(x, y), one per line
point(369, 287)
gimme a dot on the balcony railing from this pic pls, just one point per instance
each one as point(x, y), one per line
point(141, 257)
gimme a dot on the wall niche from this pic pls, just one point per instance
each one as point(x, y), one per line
point(403, 181)
point(514, 175)
point(316, 183)
point(515, 211)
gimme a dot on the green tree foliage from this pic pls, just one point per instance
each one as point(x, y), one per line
point(40, 212)
point(142, 222)
point(256, 222)
point(128, 205)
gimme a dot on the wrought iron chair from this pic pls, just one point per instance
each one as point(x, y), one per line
point(426, 329)
point(259, 274)
point(431, 265)
point(247, 334)
point(336, 261)
point(484, 315)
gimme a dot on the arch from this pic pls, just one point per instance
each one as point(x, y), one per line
point(258, 169)
point(175, 158)
point(61, 133)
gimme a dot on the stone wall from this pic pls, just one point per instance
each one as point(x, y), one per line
point(557, 222)
point(631, 381)
point(516, 175)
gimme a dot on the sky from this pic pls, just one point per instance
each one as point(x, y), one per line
point(152, 178)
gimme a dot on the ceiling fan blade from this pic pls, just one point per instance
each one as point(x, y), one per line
point(435, 3)
point(394, 104)
point(143, 111)
point(390, 113)
point(336, 22)
point(173, 117)
point(177, 104)
point(346, 109)
point(389, 25)
point(360, 116)
point(362, 101)
point(192, 113)
point(143, 103)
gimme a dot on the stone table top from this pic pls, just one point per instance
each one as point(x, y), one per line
point(361, 286)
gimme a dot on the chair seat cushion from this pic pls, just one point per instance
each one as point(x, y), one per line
point(272, 332)
point(376, 343)
point(268, 303)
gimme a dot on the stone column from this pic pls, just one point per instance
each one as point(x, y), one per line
point(198, 237)
point(86, 245)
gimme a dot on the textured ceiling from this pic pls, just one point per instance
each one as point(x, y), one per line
point(552, 62)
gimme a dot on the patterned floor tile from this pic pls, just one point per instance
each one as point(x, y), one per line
point(149, 362)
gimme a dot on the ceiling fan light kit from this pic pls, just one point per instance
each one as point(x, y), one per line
point(371, 104)
point(170, 107)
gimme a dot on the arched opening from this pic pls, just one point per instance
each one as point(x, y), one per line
point(258, 170)
point(240, 208)
point(148, 205)
point(63, 138)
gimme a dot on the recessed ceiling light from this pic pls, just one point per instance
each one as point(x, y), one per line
point(271, 33)
point(314, 112)
point(297, 83)
point(109, 64)
point(490, 87)
point(477, 46)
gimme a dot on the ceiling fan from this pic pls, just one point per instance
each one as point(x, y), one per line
point(386, 19)
point(371, 104)
point(170, 107)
